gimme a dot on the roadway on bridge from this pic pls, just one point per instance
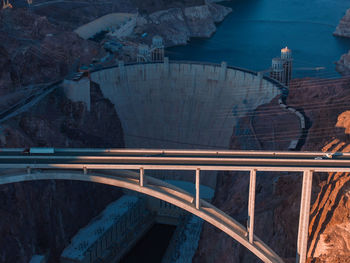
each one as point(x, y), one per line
point(182, 159)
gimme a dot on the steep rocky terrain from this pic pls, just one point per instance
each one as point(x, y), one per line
point(278, 194)
point(35, 51)
point(41, 217)
point(178, 25)
point(37, 44)
point(175, 20)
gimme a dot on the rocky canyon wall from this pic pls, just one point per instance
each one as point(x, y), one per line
point(40, 217)
point(278, 194)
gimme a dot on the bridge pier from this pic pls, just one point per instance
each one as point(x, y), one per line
point(142, 175)
point(251, 206)
point(197, 189)
point(304, 217)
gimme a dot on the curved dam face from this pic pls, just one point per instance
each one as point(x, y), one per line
point(181, 104)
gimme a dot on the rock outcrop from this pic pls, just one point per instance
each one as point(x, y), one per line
point(343, 64)
point(343, 29)
point(178, 25)
point(41, 217)
point(278, 194)
point(169, 18)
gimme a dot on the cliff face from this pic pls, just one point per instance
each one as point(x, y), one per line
point(278, 194)
point(329, 229)
point(329, 232)
point(42, 216)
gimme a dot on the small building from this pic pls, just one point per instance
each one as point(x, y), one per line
point(155, 53)
point(286, 56)
point(157, 49)
point(144, 54)
point(281, 69)
point(277, 70)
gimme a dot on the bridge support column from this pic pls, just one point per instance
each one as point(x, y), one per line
point(142, 176)
point(251, 206)
point(197, 189)
point(304, 217)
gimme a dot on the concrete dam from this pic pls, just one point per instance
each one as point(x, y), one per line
point(178, 105)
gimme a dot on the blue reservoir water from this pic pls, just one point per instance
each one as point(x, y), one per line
point(256, 30)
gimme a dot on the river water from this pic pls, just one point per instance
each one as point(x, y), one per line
point(256, 30)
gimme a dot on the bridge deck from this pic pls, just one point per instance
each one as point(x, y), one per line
point(176, 160)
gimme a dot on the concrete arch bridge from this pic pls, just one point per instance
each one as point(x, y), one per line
point(114, 167)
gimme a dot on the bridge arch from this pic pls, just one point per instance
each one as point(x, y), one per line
point(163, 191)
